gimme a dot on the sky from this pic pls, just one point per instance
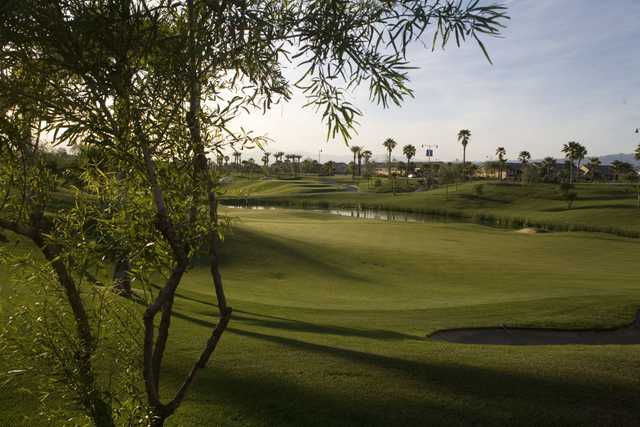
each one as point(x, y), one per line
point(564, 70)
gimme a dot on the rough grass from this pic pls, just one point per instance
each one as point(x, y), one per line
point(331, 316)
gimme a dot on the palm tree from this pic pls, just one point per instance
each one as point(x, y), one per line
point(265, 159)
point(501, 153)
point(278, 156)
point(360, 162)
point(366, 155)
point(524, 158)
point(409, 152)
point(297, 158)
point(464, 136)
point(549, 166)
point(574, 152)
point(389, 144)
point(355, 150)
point(594, 164)
point(237, 157)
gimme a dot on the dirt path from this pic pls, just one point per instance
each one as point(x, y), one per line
point(540, 336)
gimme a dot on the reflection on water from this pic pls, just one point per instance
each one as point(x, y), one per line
point(359, 213)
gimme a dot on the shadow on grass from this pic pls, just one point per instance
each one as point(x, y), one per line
point(300, 326)
point(247, 247)
point(588, 207)
point(452, 394)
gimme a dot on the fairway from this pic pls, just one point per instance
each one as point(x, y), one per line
point(331, 316)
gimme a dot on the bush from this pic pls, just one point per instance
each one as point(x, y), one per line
point(478, 189)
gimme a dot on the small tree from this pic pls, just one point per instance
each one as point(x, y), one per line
point(409, 152)
point(567, 193)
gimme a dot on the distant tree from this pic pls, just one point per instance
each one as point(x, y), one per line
point(594, 165)
point(366, 155)
point(637, 151)
point(389, 144)
point(490, 167)
point(330, 168)
point(409, 152)
point(567, 193)
point(265, 159)
point(524, 158)
point(622, 170)
point(549, 169)
point(446, 176)
point(574, 152)
point(501, 153)
point(464, 136)
point(355, 150)
point(226, 161)
point(278, 156)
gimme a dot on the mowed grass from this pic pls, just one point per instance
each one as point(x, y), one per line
point(603, 207)
point(331, 318)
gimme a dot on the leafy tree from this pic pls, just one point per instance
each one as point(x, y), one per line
point(594, 165)
point(330, 168)
point(389, 144)
point(154, 86)
point(622, 169)
point(409, 152)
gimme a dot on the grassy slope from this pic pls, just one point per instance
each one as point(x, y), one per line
point(331, 315)
point(599, 206)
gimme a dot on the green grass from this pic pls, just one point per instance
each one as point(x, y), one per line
point(609, 208)
point(331, 316)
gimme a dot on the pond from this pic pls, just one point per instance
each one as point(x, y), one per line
point(366, 213)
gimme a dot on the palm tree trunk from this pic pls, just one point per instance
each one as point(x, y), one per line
point(353, 169)
point(407, 172)
point(464, 162)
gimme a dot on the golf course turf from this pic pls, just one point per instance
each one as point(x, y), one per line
point(331, 316)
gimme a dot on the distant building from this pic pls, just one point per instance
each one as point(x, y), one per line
point(341, 168)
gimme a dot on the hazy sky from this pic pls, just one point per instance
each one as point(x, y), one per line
point(565, 70)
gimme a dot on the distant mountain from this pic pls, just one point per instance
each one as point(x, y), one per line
point(610, 158)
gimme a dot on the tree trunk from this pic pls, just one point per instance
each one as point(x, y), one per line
point(464, 162)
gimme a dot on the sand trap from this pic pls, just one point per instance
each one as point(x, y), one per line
point(527, 230)
point(541, 336)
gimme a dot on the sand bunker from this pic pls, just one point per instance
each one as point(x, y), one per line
point(541, 336)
